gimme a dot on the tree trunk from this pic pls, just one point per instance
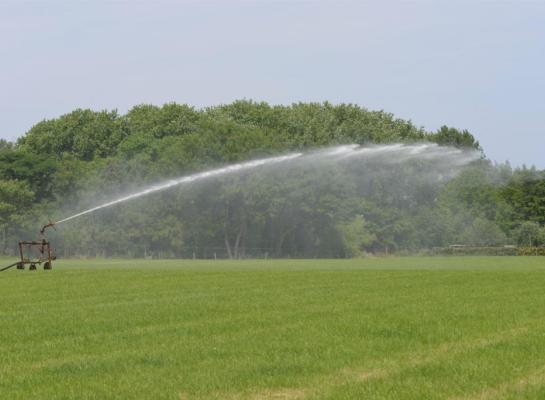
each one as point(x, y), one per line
point(228, 246)
point(278, 247)
point(226, 235)
point(240, 235)
point(6, 240)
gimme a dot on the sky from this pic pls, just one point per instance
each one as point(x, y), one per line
point(475, 65)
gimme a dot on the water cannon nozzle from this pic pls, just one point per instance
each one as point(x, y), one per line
point(50, 224)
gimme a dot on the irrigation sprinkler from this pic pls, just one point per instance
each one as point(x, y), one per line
point(35, 253)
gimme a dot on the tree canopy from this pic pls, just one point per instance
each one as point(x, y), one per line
point(84, 157)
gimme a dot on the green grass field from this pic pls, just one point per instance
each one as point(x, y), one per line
point(388, 328)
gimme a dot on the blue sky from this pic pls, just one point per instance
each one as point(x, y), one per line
point(473, 65)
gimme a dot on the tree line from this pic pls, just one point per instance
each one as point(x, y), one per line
point(77, 160)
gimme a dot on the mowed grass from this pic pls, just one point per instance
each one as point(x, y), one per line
point(384, 328)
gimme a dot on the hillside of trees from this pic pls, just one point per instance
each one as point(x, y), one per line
point(80, 159)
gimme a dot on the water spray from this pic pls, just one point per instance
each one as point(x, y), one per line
point(390, 153)
point(44, 250)
point(396, 152)
point(188, 179)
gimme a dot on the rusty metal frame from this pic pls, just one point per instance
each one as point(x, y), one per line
point(45, 252)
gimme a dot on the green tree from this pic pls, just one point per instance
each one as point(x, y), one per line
point(36, 170)
point(355, 236)
point(483, 233)
point(454, 137)
point(83, 133)
point(529, 234)
point(15, 201)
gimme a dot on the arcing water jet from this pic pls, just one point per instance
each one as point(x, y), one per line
point(342, 154)
point(188, 179)
point(395, 153)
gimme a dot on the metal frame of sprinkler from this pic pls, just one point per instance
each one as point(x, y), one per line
point(44, 250)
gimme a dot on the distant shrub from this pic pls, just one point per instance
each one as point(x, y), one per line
point(531, 251)
point(489, 251)
point(477, 251)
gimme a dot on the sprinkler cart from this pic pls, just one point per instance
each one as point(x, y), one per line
point(35, 253)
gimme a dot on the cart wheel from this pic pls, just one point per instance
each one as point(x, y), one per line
point(20, 265)
point(48, 265)
point(32, 267)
